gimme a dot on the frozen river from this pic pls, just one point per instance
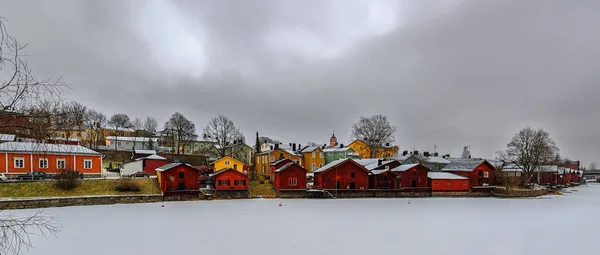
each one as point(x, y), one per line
point(566, 224)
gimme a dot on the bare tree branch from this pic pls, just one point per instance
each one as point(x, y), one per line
point(375, 132)
point(224, 133)
point(15, 231)
point(182, 132)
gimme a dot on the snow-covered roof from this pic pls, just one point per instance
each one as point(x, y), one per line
point(548, 168)
point(461, 164)
point(379, 171)
point(430, 159)
point(330, 165)
point(155, 157)
point(171, 165)
point(146, 152)
point(278, 161)
point(402, 168)
point(309, 148)
point(285, 166)
point(367, 161)
point(132, 139)
point(7, 137)
point(70, 139)
point(445, 176)
point(46, 148)
point(336, 149)
point(511, 169)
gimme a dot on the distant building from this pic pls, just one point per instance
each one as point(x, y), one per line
point(479, 171)
point(178, 179)
point(313, 157)
point(264, 159)
point(123, 143)
point(226, 163)
point(339, 152)
point(342, 174)
point(385, 151)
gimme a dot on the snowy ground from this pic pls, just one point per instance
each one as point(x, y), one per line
point(565, 224)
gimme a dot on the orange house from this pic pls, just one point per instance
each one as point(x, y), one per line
point(312, 158)
point(264, 159)
point(20, 158)
point(386, 151)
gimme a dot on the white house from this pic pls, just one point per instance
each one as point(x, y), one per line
point(123, 143)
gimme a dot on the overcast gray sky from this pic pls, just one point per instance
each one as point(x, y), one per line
point(449, 72)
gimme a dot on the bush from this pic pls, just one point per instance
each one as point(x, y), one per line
point(67, 180)
point(125, 185)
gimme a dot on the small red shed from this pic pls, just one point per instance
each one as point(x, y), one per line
point(178, 178)
point(290, 176)
point(152, 162)
point(411, 176)
point(479, 171)
point(342, 174)
point(230, 179)
point(276, 165)
point(447, 182)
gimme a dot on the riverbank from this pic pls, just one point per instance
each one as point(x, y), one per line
point(86, 188)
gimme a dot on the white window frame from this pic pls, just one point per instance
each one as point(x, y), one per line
point(321, 154)
point(86, 161)
point(313, 166)
point(293, 181)
point(486, 174)
point(22, 165)
point(64, 163)
point(313, 154)
point(45, 166)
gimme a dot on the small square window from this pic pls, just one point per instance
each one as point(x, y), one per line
point(181, 174)
point(486, 175)
point(226, 162)
point(352, 175)
point(19, 162)
point(61, 163)
point(87, 164)
point(43, 163)
point(293, 181)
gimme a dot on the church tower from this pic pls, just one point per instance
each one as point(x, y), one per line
point(333, 140)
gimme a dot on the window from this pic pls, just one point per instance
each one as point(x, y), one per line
point(272, 159)
point(280, 155)
point(181, 174)
point(320, 154)
point(226, 162)
point(414, 174)
point(352, 175)
point(118, 143)
point(43, 163)
point(313, 166)
point(239, 182)
point(87, 164)
point(436, 184)
point(313, 154)
point(61, 163)
point(341, 153)
point(258, 159)
point(321, 165)
point(518, 173)
point(385, 177)
point(293, 181)
point(19, 162)
point(263, 169)
point(486, 175)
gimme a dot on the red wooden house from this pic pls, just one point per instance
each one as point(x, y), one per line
point(342, 174)
point(411, 176)
point(276, 165)
point(152, 162)
point(290, 176)
point(230, 179)
point(178, 178)
point(479, 171)
point(447, 182)
point(548, 175)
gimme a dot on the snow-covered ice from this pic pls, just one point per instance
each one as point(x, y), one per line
point(550, 225)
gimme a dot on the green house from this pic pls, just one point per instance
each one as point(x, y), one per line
point(335, 153)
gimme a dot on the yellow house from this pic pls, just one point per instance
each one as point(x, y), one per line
point(228, 162)
point(312, 158)
point(264, 159)
point(386, 151)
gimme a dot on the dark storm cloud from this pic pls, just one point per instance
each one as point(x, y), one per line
point(450, 73)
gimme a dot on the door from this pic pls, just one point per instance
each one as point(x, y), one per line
point(337, 185)
point(352, 185)
point(414, 183)
point(181, 186)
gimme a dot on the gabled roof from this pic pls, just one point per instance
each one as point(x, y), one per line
point(402, 168)
point(147, 152)
point(155, 157)
point(334, 163)
point(225, 170)
point(46, 148)
point(430, 159)
point(307, 149)
point(132, 139)
point(7, 137)
point(227, 157)
point(286, 166)
point(464, 165)
point(287, 151)
point(172, 165)
point(279, 161)
point(445, 176)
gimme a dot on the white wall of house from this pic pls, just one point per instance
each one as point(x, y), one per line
point(131, 167)
point(129, 143)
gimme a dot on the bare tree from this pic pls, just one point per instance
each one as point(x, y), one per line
point(375, 132)
point(119, 121)
point(529, 149)
point(182, 131)
point(75, 117)
point(150, 125)
point(592, 166)
point(15, 231)
point(96, 121)
point(223, 132)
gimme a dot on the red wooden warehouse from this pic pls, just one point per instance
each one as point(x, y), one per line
point(411, 176)
point(448, 182)
point(230, 179)
point(178, 178)
point(479, 171)
point(342, 174)
point(276, 165)
point(290, 176)
point(152, 162)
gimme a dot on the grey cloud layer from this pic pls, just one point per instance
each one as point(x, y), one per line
point(472, 74)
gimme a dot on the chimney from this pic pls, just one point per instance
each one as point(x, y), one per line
point(341, 145)
point(415, 153)
point(387, 144)
point(426, 154)
point(293, 147)
point(447, 155)
point(324, 145)
point(379, 162)
point(435, 154)
point(299, 147)
point(276, 146)
point(404, 153)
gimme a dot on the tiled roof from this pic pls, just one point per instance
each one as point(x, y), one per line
point(445, 176)
point(45, 148)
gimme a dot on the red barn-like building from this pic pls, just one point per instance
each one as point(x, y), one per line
point(230, 179)
point(152, 162)
point(396, 176)
point(276, 165)
point(479, 171)
point(342, 174)
point(447, 182)
point(290, 176)
point(178, 178)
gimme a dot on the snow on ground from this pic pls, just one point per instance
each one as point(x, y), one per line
point(550, 225)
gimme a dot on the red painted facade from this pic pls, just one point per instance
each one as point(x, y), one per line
point(446, 185)
point(276, 165)
point(292, 177)
point(345, 175)
point(415, 177)
point(480, 175)
point(150, 165)
point(31, 163)
point(385, 180)
point(230, 179)
point(182, 178)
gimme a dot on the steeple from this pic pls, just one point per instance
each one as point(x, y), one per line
point(333, 140)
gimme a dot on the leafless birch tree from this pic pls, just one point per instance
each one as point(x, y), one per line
point(375, 132)
point(223, 132)
point(181, 130)
point(15, 231)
